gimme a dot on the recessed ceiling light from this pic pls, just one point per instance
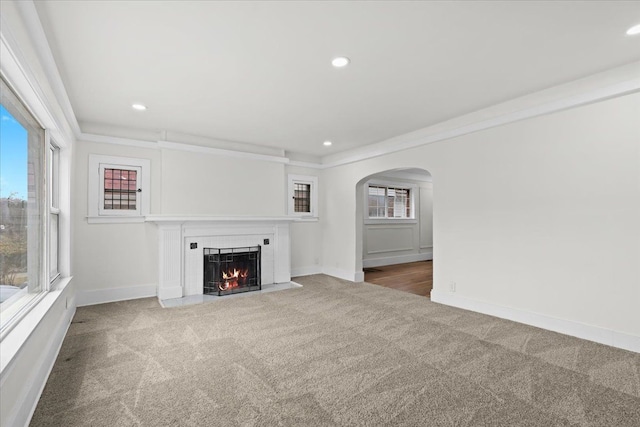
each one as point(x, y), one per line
point(139, 107)
point(633, 30)
point(327, 143)
point(340, 61)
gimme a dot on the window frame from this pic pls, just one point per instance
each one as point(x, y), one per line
point(412, 188)
point(53, 174)
point(21, 303)
point(96, 212)
point(310, 180)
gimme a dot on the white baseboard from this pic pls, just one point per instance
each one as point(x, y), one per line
point(568, 327)
point(352, 276)
point(101, 296)
point(306, 271)
point(400, 259)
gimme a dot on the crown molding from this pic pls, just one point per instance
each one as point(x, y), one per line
point(43, 49)
point(129, 142)
point(21, 78)
point(406, 141)
point(178, 146)
point(309, 165)
point(220, 152)
point(402, 142)
point(423, 137)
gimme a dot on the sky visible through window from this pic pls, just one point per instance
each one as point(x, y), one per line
point(13, 157)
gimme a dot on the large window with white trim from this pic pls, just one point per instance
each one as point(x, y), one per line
point(23, 201)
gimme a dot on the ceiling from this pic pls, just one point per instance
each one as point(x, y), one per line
point(260, 72)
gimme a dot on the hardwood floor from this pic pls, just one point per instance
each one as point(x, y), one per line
point(414, 277)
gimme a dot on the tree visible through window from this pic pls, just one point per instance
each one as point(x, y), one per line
point(389, 202)
point(22, 200)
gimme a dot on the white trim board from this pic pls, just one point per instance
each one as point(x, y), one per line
point(220, 152)
point(101, 296)
point(567, 327)
point(400, 259)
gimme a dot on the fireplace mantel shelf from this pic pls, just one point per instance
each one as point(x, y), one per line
point(182, 219)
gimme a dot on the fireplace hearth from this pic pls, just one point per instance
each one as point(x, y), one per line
point(231, 270)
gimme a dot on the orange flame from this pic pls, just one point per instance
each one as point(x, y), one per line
point(231, 279)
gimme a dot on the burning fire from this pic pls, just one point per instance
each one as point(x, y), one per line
point(230, 280)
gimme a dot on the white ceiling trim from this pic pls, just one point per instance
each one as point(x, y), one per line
point(393, 145)
point(106, 139)
point(178, 146)
point(310, 165)
point(36, 31)
point(220, 152)
point(22, 80)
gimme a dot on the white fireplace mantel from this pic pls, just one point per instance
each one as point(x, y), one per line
point(181, 267)
point(181, 219)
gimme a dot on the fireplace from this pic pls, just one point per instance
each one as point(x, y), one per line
point(231, 270)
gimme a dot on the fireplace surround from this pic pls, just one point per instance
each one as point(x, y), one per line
point(181, 240)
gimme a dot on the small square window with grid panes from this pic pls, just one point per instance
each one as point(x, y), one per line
point(302, 198)
point(120, 189)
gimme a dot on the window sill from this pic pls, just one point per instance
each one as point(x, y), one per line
point(115, 219)
point(306, 219)
point(24, 326)
point(387, 221)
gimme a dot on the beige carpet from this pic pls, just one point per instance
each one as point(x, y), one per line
point(332, 353)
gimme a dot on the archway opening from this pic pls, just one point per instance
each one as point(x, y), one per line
point(394, 229)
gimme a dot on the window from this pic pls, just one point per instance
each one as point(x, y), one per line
point(301, 198)
point(118, 189)
point(303, 195)
point(22, 206)
point(389, 202)
point(54, 210)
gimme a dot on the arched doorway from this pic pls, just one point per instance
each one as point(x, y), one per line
point(394, 229)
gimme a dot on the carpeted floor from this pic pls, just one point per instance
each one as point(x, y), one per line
point(332, 353)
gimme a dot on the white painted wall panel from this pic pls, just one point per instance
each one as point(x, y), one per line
point(389, 238)
point(539, 215)
point(202, 184)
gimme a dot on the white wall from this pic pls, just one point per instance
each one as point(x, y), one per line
point(120, 258)
point(306, 236)
point(539, 215)
point(204, 184)
point(389, 241)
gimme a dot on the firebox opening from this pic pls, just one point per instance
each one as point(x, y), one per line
point(231, 270)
